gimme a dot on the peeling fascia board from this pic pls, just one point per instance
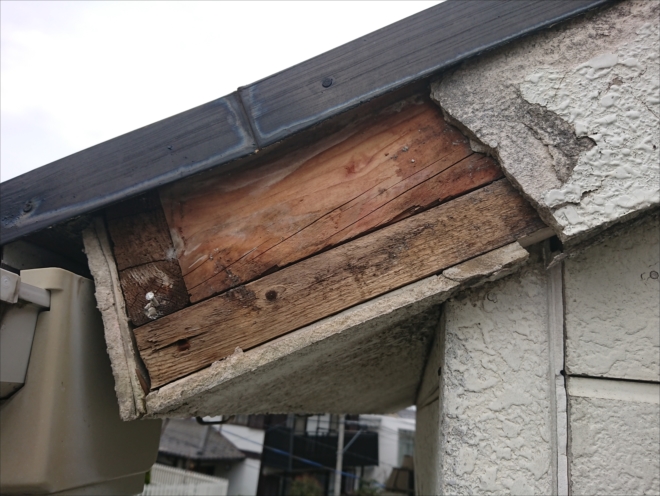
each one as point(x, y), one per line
point(189, 395)
point(118, 333)
point(572, 115)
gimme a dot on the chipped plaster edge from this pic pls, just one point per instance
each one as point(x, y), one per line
point(572, 250)
point(489, 266)
point(575, 243)
point(479, 146)
point(118, 334)
point(430, 291)
point(489, 98)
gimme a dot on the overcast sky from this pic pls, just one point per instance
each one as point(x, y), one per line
point(74, 74)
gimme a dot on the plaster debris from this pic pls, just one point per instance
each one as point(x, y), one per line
point(490, 266)
point(572, 114)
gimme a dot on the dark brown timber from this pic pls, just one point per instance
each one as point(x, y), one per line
point(232, 229)
point(149, 272)
point(337, 279)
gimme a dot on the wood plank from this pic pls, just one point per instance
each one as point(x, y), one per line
point(153, 290)
point(233, 229)
point(149, 272)
point(332, 281)
point(408, 50)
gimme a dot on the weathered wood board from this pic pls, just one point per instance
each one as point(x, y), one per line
point(234, 228)
point(278, 303)
point(149, 272)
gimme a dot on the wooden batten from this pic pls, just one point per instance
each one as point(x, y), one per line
point(149, 272)
point(234, 228)
point(347, 275)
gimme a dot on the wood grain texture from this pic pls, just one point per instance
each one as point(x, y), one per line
point(233, 229)
point(153, 290)
point(354, 272)
point(149, 272)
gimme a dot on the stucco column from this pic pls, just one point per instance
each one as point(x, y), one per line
point(489, 428)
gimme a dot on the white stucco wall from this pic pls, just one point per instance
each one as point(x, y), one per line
point(503, 421)
point(615, 437)
point(572, 115)
point(612, 293)
point(496, 433)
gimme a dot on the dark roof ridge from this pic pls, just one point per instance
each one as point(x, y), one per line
point(271, 109)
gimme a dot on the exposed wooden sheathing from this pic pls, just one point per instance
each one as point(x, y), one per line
point(335, 280)
point(230, 261)
point(148, 269)
point(231, 229)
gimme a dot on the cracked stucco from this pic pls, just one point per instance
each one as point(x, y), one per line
point(110, 302)
point(572, 115)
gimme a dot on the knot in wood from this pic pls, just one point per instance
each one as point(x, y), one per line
point(183, 345)
point(271, 295)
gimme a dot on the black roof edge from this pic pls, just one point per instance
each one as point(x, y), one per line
point(271, 109)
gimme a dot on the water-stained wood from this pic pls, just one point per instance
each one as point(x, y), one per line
point(332, 281)
point(233, 228)
point(149, 272)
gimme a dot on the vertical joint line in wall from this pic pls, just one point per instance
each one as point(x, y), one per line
point(566, 416)
point(552, 380)
point(557, 382)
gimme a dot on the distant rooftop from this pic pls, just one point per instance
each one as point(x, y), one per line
point(188, 439)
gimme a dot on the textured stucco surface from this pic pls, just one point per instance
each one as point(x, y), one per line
point(613, 306)
point(615, 437)
point(496, 396)
point(572, 114)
